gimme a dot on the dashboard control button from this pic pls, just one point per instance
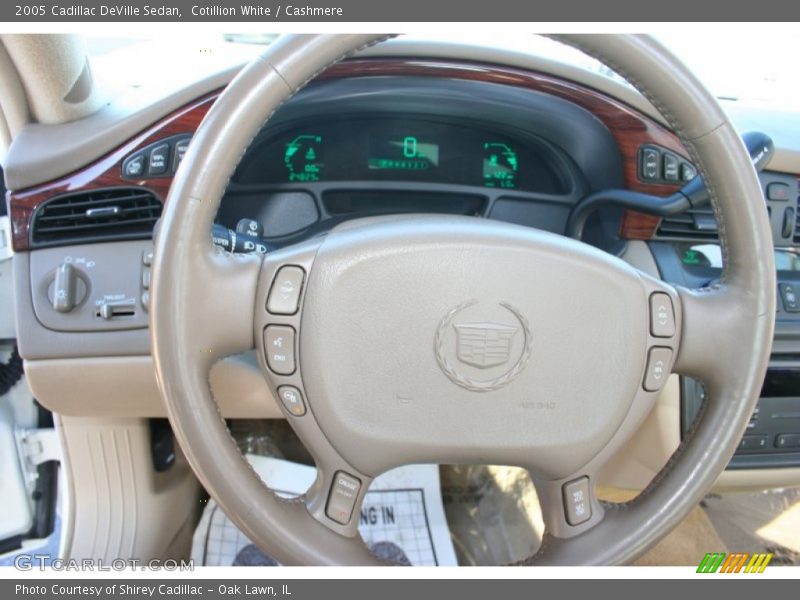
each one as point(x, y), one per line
point(146, 278)
point(688, 172)
point(250, 227)
point(292, 400)
point(753, 442)
point(284, 296)
point(670, 167)
point(657, 370)
point(791, 303)
point(147, 258)
point(64, 288)
point(788, 440)
point(134, 166)
point(115, 310)
point(181, 146)
point(577, 507)
point(651, 160)
point(787, 228)
point(159, 159)
point(778, 190)
point(146, 300)
point(342, 498)
point(279, 349)
point(662, 315)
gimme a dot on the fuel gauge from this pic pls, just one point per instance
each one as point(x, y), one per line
point(303, 158)
point(500, 165)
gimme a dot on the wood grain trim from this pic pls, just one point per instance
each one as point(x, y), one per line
point(106, 171)
point(629, 127)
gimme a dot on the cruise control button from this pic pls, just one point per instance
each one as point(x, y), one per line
point(342, 498)
point(292, 400)
point(657, 369)
point(159, 158)
point(284, 296)
point(662, 315)
point(576, 501)
point(279, 349)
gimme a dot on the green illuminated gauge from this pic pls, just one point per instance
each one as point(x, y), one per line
point(500, 165)
point(303, 158)
point(691, 257)
point(402, 154)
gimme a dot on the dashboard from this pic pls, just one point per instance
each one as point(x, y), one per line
point(374, 136)
point(395, 148)
point(303, 178)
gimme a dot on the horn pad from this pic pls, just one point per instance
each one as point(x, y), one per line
point(457, 339)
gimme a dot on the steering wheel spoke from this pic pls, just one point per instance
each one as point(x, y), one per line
point(337, 493)
point(215, 318)
point(715, 325)
point(336, 496)
point(569, 505)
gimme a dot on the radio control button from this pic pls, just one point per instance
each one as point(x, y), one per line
point(657, 370)
point(577, 507)
point(662, 315)
point(788, 440)
point(753, 442)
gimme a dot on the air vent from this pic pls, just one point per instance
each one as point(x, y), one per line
point(796, 236)
point(120, 213)
point(693, 224)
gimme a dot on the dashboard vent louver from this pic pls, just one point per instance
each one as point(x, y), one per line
point(693, 224)
point(796, 236)
point(96, 215)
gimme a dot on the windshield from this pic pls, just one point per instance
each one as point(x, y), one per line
point(749, 69)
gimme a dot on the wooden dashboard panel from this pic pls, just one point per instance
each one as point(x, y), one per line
point(629, 127)
point(106, 171)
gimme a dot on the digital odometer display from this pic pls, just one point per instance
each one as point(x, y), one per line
point(406, 153)
point(397, 150)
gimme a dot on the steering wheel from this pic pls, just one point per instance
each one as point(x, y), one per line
point(442, 339)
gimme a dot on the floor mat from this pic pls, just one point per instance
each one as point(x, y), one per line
point(402, 519)
point(766, 521)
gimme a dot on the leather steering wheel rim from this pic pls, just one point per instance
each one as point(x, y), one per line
point(203, 302)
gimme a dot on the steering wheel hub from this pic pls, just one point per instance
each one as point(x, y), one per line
point(456, 339)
